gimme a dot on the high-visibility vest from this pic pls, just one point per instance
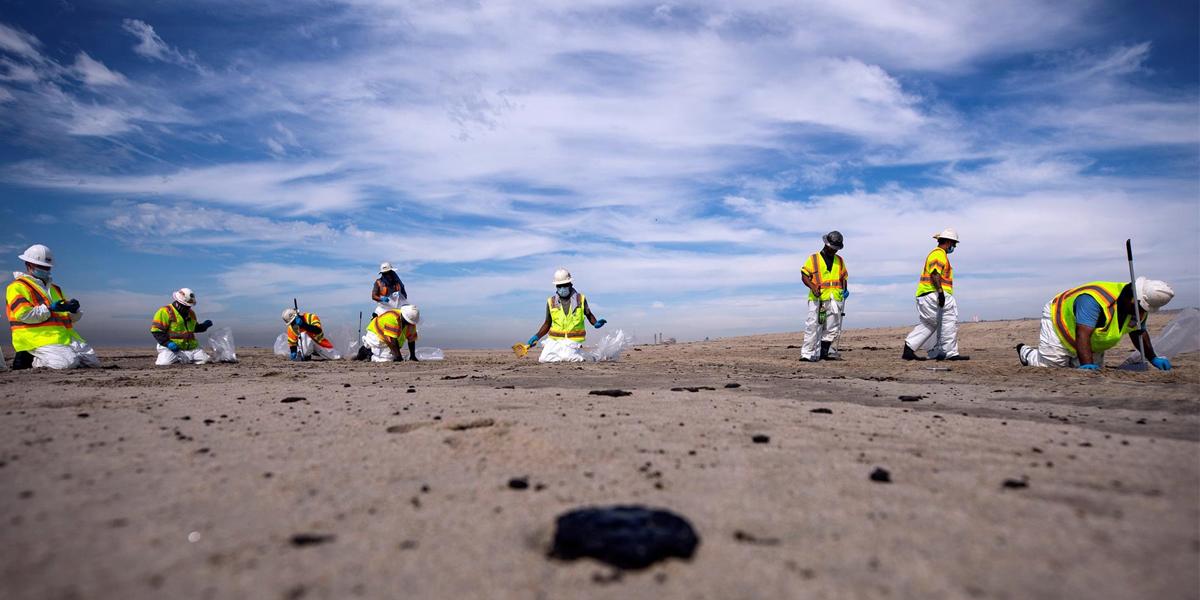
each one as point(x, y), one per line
point(936, 261)
point(564, 326)
point(293, 332)
point(391, 325)
point(22, 296)
point(1062, 307)
point(181, 329)
point(832, 282)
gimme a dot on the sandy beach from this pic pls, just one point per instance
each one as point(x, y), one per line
point(270, 479)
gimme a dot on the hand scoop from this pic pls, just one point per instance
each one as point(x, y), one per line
point(520, 350)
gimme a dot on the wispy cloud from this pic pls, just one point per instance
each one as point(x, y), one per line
point(152, 47)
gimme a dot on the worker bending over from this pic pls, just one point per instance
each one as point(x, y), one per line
point(567, 312)
point(386, 332)
point(42, 319)
point(1100, 314)
point(388, 290)
point(175, 328)
point(824, 274)
point(306, 337)
point(937, 312)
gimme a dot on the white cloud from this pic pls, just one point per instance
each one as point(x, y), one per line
point(19, 42)
point(94, 73)
point(151, 46)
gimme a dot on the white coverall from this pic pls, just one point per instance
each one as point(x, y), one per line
point(380, 352)
point(560, 350)
point(185, 357)
point(58, 356)
point(1050, 351)
point(924, 335)
point(815, 332)
point(306, 347)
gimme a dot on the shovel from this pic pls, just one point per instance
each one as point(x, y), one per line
point(521, 349)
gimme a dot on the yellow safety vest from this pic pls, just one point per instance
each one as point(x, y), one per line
point(391, 325)
point(567, 327)
point(936, 261)
point(1103, 338)
point(293, 332)
point(181, 329)
point(23, 296)
point(832, 282)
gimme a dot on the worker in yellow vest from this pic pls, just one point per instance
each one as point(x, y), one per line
point(306, 337)
point(42, 319)
point(937, 312)
point(825, 276)
point(567, 313)
point(1080, 324)
point(387, 331)
point(174, 328)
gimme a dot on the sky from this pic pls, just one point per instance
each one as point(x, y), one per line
point(680, 158)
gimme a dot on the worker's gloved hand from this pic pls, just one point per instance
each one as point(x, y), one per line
point(941, 299)
point(207, 323)
point(600, 323)
point(59, 306)
point(172, 346)
point(72, 305)
point(1089, 367)
point(294, 355)
point(532, 341)
point(297, 321)
point(1161, 363)
point(845, 294)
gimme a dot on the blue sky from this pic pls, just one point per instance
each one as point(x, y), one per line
point(681, 158)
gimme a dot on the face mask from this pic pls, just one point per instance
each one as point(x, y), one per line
point(950, 250)
point(42, 274)
point(564, 292)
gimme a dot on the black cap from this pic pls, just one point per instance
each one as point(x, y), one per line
point(833, 239)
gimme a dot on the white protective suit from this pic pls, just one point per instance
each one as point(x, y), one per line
point(924, 335)
point(306, 347)
point(559, 350)
point(185, 357)
point(58, 356)
point(380, 352)
point(815, 332)
point(1050, 351)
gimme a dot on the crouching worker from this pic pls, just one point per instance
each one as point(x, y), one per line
point(306, 337)
point(567, 312)
point(42, 318)
point(175, 328)
point(1080, 324)
point(385, 333)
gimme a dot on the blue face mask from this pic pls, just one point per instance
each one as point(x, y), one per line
point(43, 274)
point(950, 250)
point(564, 292)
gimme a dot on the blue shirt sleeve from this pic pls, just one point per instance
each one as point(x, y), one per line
point(1087, 312)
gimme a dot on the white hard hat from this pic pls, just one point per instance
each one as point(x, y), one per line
point(410, 313)
point(384, 267)
point(289, 314)
point(947, 234)
point(1153, 294)
point(38, 255)
point(562, 277)
point(185, 296)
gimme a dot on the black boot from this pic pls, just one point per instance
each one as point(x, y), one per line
point(825, 349)
point(909, 354)
point(363, 353)
point(22, 360)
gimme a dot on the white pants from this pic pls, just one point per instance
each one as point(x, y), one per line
point(58, 356)
point(380, 352)
point(306, 347)
point(554, 350)
point(1050, 351)
point(925, 336)
point(185, 357)
point(815, 332)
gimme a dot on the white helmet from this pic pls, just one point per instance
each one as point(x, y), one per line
point(289, 315)
point(38, 255)
point(410, 313)
point(562, 277)
point(947, 234)
point(185, 296)
point(384, 267)
point(1153, 294)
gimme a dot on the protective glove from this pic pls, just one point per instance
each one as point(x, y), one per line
point(297, 321)
point(1090, 367)
point(294, 355)
point(532, 340)
point(845, 294)
point(172, 346)
point(1161, 363)
point(600, 323)
point(73, 305)
point(207, 323)
point(59, 306)
point(941, 299)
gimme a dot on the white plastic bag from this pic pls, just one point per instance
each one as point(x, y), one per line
point(1180, 336)
point(220, 344)
point(610, 347)
point(430, 354)
point(608, 350)
point(281, 345)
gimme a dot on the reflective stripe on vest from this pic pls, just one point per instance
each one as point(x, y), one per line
point(925, 283)
point(563, 326)
point(1103, 338)
point(178, 328)
point(27, 336)
point(391, 325)
point(293, 334)
point(836, 282)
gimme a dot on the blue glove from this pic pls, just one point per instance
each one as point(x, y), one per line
point(600, 323)
point(297, 321)
point(294, 356)
point(532, 340)
point(172, 346)
point(1090, 367)
point(845, 294)
point(59, 306)
point(207, 323)
point(1161, 363)
point(72, 305)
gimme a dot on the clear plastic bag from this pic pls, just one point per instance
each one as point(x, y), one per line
point(424, 353)
point(610, 347)
point(1180, 336)
point(281, 347)
point(3, 361)
point(220, 345)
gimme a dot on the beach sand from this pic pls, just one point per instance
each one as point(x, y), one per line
point(193, 482)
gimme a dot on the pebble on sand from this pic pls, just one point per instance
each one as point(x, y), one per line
point(761, 439)
point(626, 537)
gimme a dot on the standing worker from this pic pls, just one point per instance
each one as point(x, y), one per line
point(386, 331)
point(306, 337)
point(824, 273)
point(1101, 313)
point(388, 290)
point(41, 318)
point(566, 313)
point(937, 311)
point(175, 328)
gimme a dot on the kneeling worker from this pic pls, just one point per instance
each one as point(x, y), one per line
point(175, 328)
point(1099, 314)
point(306, 337)
point(42, 319)
point(385, 332)
point(566, 312)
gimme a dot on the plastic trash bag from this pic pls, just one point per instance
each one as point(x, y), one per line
point(3, 361)
point(430, 354)
point(281, 347)
point(608, 350)
point(220, 345)
point(1180, 336)
point(611, 346)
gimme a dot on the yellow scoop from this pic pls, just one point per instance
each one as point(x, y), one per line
point(520, 350)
